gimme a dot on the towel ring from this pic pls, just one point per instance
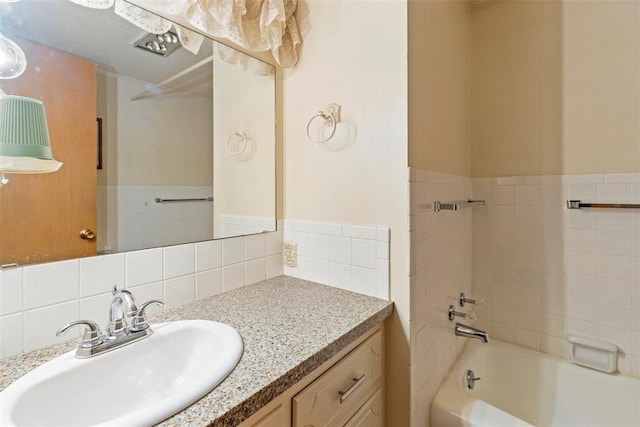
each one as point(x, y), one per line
point(329, 120)
point(243, 137)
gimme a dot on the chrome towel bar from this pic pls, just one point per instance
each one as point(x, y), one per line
point(456, 206)
point(577, 204)
point(203, 199)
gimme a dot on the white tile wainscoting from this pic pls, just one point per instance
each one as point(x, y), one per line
point(36, 300)
point(234, 225)
point(546, 271)
point(352, 257)
point(129, 218)
point(440, 269)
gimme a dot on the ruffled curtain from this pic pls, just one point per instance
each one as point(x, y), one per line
point(256, 25)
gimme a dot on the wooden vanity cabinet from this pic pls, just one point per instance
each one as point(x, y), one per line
point(347, 390)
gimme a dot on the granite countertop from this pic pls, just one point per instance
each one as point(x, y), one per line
point(289, 327)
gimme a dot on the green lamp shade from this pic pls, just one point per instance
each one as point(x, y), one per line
point(24, 137)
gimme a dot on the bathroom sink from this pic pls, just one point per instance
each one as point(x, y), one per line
point(139, 384)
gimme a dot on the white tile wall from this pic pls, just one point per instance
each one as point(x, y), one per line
point(36, 300)
point(352, 257)
point(440, 270)
point(130, 219)
point(234, 225)
point(552, 271)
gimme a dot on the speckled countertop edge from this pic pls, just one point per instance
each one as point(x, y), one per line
point(289, 328)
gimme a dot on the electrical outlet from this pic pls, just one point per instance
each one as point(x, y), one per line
point(290, 254)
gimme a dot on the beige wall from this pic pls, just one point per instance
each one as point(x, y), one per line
point(355, 55)
point(555, 87)
point(601, 131)
point(516, 88)
point(153, 141)
point(244, 101)
point(439, 55)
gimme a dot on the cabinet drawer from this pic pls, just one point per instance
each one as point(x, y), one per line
point(275, 418)
point(343, 388)
point(370, 415)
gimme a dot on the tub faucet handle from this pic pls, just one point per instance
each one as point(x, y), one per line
point(471, 379)
point(470, 316)
point(464, 300)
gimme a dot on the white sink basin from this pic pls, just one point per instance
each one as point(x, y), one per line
point(139, 384)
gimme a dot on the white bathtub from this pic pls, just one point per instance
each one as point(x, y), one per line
point(521, 387)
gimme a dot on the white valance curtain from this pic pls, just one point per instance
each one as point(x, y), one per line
point(256, 25)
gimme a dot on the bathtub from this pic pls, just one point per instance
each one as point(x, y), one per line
point(521, 387)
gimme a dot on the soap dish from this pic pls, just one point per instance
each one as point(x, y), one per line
point(594, 354)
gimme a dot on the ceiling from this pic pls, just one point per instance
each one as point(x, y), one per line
point(98, 35)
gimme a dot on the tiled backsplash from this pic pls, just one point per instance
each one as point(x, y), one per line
point(36, 300)
point(546, 271)
point(352, 257)
point(440, 270)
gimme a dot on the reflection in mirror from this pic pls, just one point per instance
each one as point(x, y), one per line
point(183, 149)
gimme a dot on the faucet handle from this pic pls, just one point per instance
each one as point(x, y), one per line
point(463, 299)
point(139, 322)
point(470, 316)
point(91, 336)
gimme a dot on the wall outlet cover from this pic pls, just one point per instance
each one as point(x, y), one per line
point(290, 254)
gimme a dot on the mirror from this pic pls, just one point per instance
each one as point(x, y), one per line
point(157, 150)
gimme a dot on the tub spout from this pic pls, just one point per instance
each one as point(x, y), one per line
point(470, 332)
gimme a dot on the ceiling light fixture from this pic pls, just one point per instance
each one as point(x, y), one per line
point(161, 44)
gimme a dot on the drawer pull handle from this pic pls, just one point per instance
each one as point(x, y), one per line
point(357, 382)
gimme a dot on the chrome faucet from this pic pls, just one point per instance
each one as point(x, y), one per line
point(127, 324)
point(471, 332)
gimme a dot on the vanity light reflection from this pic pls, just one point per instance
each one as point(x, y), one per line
point(24, 137)
point(13, 61)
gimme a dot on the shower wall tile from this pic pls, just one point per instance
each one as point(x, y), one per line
point(135, 220)
point(554, 271)
point(59, 292)
point(347, 256)
point(441, 259)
